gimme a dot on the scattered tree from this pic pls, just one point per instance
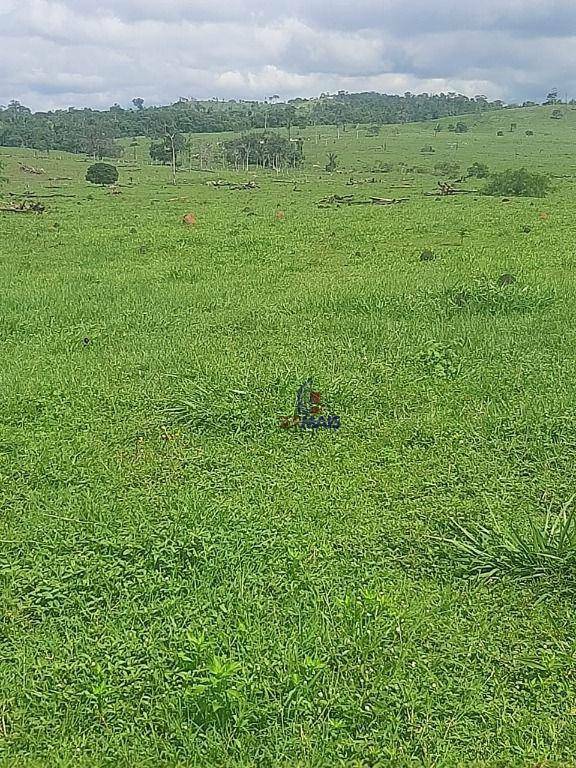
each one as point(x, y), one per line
point(460, 128)
point(99, 146)
point(518, 183)
point(552, 97)
point(166, 150)
point(102, 173)
point(268, 150)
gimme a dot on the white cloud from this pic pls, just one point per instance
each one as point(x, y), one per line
point(57, 53)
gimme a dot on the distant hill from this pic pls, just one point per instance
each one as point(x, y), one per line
point(93, 132)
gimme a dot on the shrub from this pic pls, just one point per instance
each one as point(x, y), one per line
point(102, 173)
point(478, 171)
point(529, 133)
point(460, 128)
point(518, 183)
point(500, 133)
point(332, 163)
point(447, 168)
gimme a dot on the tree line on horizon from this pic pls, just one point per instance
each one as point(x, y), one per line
point(94, 132)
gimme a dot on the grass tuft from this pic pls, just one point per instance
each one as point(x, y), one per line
point(541, 551)
point(485, 296)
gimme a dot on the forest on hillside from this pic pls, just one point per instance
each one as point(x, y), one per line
point(94, 132)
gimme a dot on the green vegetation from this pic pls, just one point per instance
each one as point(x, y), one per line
point(478, 171)
point(102, 173)
point(545, 550)
point(265, 150)
point(521, 183)
point(183, 582)
point(161, 150)
point(332, 163)
point(83, 130)
point(447, 168)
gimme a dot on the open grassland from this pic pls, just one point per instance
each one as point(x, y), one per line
point(184, 583)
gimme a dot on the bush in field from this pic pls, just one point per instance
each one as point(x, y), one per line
point(447, 168)
point(102, 173)
point(460, 128)
point(478, 171)
point(529, 133)
point(383, 167)
point(500, 133)
point(518, 183)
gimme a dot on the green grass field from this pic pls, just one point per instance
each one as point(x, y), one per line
point(183, 583)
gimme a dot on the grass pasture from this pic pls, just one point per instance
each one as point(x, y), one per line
point(184, 583)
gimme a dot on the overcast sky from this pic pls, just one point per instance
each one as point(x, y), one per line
point(97, 52)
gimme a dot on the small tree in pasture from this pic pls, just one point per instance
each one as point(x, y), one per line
point(102, 174)
point(518, 183)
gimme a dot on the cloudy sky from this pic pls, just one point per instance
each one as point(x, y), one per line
point(57, 53)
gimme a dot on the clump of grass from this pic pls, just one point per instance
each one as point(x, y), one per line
point(498, 297)
point(506, 279)
point(442, 360)
point(214, 411)
point(543, 550)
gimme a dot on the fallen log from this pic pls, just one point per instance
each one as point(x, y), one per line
point(388, 201)
point(31, 169)
point(349, 200)
point(28, 195)
point(24, 207)
point(453, 192)
point(232, 185)
point(336, 200)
